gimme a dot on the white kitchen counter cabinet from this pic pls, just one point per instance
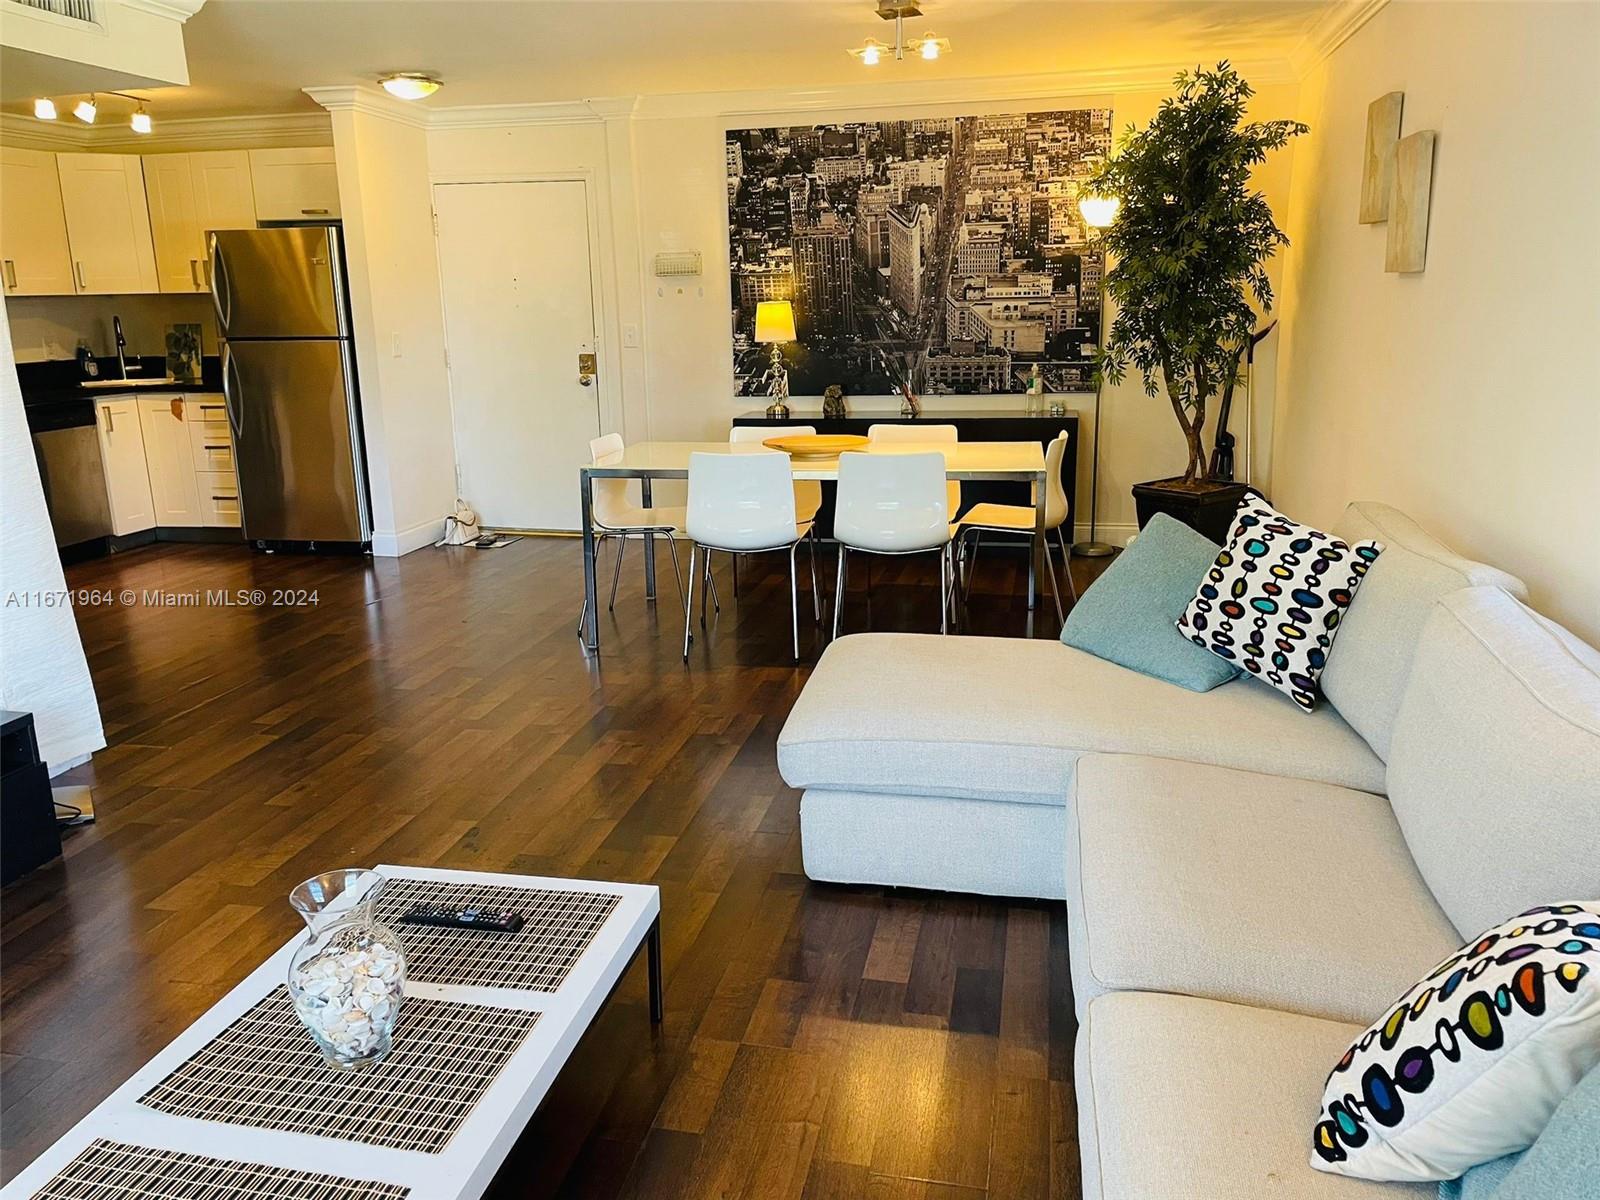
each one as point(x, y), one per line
point(122, 453)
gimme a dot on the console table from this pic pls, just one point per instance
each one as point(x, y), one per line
point(972, 425)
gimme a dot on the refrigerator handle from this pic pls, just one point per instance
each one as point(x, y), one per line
point(230, 394)
point(220, 284)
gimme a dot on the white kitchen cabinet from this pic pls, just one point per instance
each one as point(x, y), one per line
point(34, 258)
point(223, 195)
point(219, 499)
point(211, 442)
point(169, 456)
point(122, 456)
point(174, 223)
point(190, 194)
point(108, 223)
point(295, 184)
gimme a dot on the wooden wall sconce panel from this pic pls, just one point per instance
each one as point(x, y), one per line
point(1408, 209)
point(1377, 168)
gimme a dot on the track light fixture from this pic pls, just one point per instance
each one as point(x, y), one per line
point(87, 109)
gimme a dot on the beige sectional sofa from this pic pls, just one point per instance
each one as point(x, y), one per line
point(1247, 886)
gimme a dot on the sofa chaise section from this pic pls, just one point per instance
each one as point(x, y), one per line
point(1242, 887)
point(1006, 718)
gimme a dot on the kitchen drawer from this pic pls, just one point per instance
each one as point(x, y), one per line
point(208, 418)
point(219, 497)
point(213, 449)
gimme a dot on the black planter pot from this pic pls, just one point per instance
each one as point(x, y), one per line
point(1209, 511)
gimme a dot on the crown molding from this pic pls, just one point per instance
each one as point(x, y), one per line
point(876, 97)
point(868, 96)
point(370, 102)
point(257, 132)
point(500, 116)
point(29, 133)
point(171, 10)
point(1337, 24)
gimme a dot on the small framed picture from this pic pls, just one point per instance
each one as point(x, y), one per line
point(183, 352)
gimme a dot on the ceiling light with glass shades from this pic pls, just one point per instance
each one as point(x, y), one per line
point(928, 47)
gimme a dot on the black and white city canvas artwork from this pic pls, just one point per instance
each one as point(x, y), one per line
point(946, 253)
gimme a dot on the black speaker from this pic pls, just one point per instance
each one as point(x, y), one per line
point(28, 834)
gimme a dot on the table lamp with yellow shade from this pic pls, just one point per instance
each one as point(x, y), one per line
point(774, 326)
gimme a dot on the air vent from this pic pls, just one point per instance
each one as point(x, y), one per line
point(678, 262)
point(73, 10)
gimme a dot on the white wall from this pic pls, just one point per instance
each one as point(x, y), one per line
point(42, 668)
point(1466, 394)
point(399, 326)
point(660, 168)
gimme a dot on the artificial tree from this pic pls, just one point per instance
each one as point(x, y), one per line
point(1190, 244)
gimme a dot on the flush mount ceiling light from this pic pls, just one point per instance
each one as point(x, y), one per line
point(410, 85)
point(44, 108)
point(85, 110)
point(929, 48)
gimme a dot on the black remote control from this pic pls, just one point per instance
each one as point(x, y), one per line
point(495, 920)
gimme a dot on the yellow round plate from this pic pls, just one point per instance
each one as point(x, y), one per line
point(816, 445)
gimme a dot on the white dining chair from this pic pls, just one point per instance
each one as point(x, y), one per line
point(1023, 518)
point(617, 518)
point(893, 504)
point(926, 435)
point(744, 504)
point(807, 492)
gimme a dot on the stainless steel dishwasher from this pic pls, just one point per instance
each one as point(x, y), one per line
point(68, 449)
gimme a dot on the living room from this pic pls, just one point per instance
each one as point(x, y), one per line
point(793, 739)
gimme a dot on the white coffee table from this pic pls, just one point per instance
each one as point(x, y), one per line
point(241, 1100)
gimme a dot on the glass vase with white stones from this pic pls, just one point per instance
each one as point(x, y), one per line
point(348, 978)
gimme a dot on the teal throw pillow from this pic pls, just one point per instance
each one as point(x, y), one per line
point(1129, 615)
point(1563, 1164)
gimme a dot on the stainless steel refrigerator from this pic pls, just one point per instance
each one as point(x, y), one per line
point(289, 384)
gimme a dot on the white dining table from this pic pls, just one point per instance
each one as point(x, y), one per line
point(1021, 462)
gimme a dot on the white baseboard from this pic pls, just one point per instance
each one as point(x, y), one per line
point(386, 544)
point(1116, 535)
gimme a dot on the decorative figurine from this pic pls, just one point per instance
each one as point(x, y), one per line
point(833, 402)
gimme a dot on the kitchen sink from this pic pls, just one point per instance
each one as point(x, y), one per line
point(100, 385)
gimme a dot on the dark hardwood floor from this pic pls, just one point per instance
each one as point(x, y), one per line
point(820, 1041)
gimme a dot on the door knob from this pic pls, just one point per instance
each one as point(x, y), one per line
point(586, 369)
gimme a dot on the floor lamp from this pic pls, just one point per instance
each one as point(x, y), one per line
point(1098, 212)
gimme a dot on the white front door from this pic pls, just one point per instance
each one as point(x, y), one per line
point(519, 310)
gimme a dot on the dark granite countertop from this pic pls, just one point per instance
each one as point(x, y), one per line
point(58, 381)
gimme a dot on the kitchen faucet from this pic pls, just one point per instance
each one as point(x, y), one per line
point(122, 362)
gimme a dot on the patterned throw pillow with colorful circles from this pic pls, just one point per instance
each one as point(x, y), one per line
point(1471, 1062)
point(1272, 601)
